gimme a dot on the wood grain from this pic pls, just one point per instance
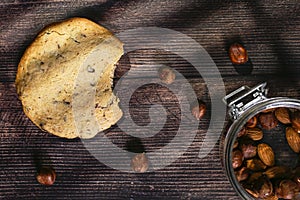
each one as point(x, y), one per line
point(269, 31)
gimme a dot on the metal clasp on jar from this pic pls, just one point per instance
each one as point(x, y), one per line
point(244, 98)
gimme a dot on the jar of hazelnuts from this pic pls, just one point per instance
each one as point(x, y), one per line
point(261, 151)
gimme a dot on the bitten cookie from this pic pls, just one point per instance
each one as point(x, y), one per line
point(51, 72)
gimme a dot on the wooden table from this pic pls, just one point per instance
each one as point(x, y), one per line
point(268, 29)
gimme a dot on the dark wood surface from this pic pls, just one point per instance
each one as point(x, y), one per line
point(268, 29)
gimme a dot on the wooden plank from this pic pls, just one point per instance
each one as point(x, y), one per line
point(269, 30)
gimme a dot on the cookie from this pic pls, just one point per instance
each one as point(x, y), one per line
point(66, 73)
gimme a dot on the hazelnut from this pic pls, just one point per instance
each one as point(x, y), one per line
point(46, 175)
point(255, 164)
point(242, 132)
point(268, 120)
point(166, 75)
point(199, 110)
point(248, 150)
point(251, 123)
point(272, 197)
point(287, 189)
point(266, 189)
point(296, 175)
point(238, 54)
point(242, 174)
point(139, 163)
point(296, 121)
point(254, 177)
point(259, 186)
point(237, 158)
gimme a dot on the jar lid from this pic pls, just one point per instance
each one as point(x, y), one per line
point(243, 98)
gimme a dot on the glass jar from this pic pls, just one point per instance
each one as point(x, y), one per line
point(244, 103)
